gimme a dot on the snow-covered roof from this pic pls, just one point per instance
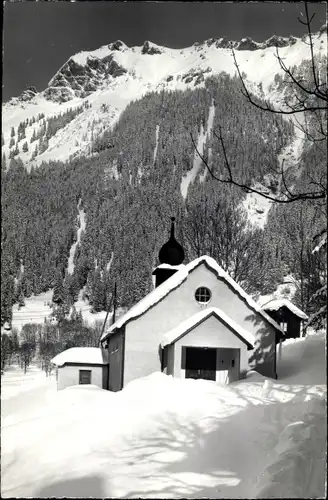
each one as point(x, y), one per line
point(83, 355)
point(276, 304)
point(174, 282)
point(321, 243)
point(168, 266)
point(190, 323)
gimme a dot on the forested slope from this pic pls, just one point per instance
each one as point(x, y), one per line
point(128, 199)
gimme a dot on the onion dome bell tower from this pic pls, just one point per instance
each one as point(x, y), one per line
point(171, 256)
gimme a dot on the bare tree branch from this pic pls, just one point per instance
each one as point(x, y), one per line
point(311, 104)
point(290, 197)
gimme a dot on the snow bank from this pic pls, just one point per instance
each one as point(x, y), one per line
point(162, 437)
point(297, 469)
point(83, 355)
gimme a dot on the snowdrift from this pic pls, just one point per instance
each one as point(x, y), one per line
point(172, 438)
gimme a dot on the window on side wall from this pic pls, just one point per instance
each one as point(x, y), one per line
point(84, 376)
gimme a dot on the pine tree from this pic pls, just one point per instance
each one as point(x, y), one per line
point(12, 133)
point(79, 317)
point(33, 138)
point(43, 145)
point(73, 315)
point(58, 297)
point(35, 153)
point(25, 147)
point(98, 292)
point(12, 142)
point(21, 301)
point(7, 298)
point(4, 163)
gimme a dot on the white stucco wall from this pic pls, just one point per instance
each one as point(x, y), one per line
point(69, 375)
point(210, 333)
point(144, 334)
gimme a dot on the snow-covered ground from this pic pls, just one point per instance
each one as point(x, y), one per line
point(171, 438)
point(198, 163)
point(258, 206)
point(37, 309)
point(156, 145)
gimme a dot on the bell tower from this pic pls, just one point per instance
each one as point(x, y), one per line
point(171, 256)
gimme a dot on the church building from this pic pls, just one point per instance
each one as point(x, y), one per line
point(197, 322)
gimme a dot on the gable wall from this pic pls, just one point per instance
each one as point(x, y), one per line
point(210, 333)
point(144, 334)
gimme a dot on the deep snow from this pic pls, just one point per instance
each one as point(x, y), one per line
point(168, 438)
point(37, 309)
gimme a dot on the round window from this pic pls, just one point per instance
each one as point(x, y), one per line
point(203, 295)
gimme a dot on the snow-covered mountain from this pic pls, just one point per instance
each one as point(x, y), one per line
point(108, 78)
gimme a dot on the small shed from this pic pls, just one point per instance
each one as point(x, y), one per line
point(208, 345)
point(82, 365)
point(289, 316)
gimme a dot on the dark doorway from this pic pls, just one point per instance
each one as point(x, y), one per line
point(200, 363)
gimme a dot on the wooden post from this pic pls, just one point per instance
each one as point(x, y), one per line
point(112, 302)
point(280, 352)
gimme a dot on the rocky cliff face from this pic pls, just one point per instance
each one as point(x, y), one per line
point(85, 73)
point(77, 80)
point(248, 44)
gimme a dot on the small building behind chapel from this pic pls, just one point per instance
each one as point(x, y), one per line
point(290, 318)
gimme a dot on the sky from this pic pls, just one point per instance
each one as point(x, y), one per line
point(39, 37)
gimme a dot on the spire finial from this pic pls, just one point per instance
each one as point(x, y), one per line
point(172, 227)
point(171, 252)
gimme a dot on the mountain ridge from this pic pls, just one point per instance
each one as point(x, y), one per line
point(110, 77)
point(106, 53)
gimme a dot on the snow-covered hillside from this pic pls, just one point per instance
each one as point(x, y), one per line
point(81, 228)
point(204, 135)
point(112, 76)
point(170, 438)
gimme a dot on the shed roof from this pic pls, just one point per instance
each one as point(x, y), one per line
point(174, 282)
point(198, 318)
point(83, 355)
point(276, 304)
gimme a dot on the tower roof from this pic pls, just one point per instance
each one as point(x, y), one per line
point(171, 252)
